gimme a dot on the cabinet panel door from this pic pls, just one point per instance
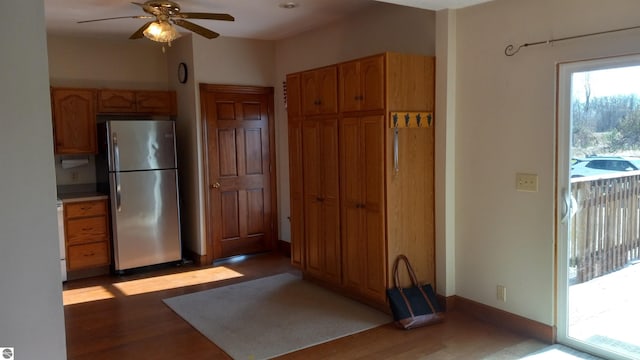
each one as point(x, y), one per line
point(372, 83)
point(349, 82)
point(327, 91)
point(362, 84)
point(362, 177)
point(372, 157)
point(74, 116)
point(293, 95)
point(311, 151)
point(321, 198)
point(309, 93)
point(354, 264)
point(330, 199)
point(319, 91)
point(296, 211)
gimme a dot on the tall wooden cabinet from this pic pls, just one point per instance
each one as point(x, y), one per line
point(360, 210)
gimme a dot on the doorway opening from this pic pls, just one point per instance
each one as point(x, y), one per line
point(598, 164)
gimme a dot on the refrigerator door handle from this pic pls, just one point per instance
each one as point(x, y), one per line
point(116, 168)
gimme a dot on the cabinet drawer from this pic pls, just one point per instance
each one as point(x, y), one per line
point(85, 208)
point(86, 230)
point(87, 255)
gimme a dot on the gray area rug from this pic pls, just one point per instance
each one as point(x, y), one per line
point(264, 318)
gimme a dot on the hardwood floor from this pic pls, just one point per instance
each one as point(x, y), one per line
point(123, 317)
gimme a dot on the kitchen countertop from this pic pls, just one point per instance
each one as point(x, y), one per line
point(81, 196)
point(79, 192)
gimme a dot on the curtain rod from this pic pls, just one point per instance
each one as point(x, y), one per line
point(511, 50)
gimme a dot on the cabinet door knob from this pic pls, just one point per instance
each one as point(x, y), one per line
point(215, 186)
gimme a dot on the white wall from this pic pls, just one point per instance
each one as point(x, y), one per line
point(107, 63)
point(381, 27)
point(31, 317)
point(504, 124)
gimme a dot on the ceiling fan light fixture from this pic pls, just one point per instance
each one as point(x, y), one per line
point(161, 31)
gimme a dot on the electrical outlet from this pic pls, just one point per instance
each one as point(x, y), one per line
point(527, 182)
point(501, 293)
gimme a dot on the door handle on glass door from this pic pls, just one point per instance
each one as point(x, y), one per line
point(570, 206)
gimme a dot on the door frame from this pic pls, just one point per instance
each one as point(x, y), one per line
point(564, 204)
point(236, 89)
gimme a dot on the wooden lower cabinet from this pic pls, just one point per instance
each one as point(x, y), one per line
point(87, 234)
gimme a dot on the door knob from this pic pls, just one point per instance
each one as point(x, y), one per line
point(215, 186)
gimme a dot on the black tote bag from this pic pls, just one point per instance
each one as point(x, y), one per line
point(413, 306)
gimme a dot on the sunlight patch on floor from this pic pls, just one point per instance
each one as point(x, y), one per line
point(87, 294)
point(172, 281)
point(147, 285)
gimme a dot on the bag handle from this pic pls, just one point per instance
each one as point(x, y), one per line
point(414, 281)
point(412, 274)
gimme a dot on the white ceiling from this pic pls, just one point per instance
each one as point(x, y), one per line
point(436, 4)
point(256, 19)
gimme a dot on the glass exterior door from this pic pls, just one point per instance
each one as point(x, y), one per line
point(598, 197)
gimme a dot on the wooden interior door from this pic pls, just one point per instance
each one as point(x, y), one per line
point(239, 157)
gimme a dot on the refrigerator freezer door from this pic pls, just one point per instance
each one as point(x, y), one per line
point(145, 218)
point(141, 145)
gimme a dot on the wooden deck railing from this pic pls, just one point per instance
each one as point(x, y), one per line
point(605, 229)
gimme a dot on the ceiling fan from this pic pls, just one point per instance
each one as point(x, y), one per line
point(165, 13)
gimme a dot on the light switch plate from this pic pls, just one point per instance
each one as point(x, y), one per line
point(527, 182)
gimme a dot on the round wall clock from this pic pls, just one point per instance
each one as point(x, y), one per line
point(183, 74)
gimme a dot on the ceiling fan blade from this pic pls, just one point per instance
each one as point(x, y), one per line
point(139, 33)
point(196, 28)
point(118, 17)
point(208, 16)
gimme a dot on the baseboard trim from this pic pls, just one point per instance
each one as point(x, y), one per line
point(284, 247)
point(197, 259)
point(510, 321)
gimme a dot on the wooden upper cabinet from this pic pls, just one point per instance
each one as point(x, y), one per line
point(74, 120)
point(156, 102)
point(319, 91)
point(137, 101)
point(361, 84)
point(116, 101)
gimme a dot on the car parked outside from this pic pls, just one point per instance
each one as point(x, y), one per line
point(598, 165)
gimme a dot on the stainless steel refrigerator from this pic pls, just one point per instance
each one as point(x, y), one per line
point(137, 165)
